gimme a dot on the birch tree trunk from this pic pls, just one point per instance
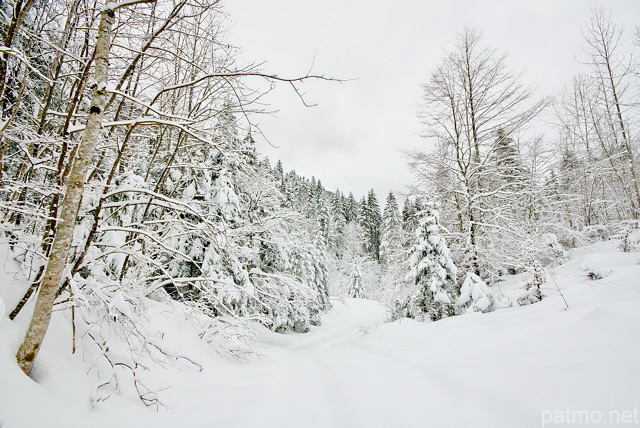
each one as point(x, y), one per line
point(73, 196)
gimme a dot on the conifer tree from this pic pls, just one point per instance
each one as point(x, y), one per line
point(410, 213)
point(391, 233)
point(432, 269)
point(370, 220)
point(350, 208)
point(356, 289)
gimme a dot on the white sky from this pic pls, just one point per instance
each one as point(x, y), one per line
point(353, 139)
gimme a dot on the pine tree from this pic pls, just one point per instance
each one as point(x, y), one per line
point(278, 171)
point(370, 220)
point(432, 269)
point(532, 291)
point(391, 233)
point(351, 208)
point(409, 216)
point(338, 222)
point(356, 289)
point(320, 268)
point(507, 160)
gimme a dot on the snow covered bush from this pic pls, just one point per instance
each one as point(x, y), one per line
point(475, 295)
point(595, 272)
point(625, 242)
point(532, 292)
point(630, 237)
point(110, 331)
point(596, 233)
point(552, 251)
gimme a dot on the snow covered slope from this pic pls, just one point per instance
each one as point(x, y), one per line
point(539, 365)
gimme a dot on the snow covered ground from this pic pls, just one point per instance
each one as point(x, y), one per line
point(539, 365)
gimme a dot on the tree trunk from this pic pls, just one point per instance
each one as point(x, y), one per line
point(71, 202)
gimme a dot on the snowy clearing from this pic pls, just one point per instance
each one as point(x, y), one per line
point(515, 367)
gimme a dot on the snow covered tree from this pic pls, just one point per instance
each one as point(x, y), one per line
point(73, 195)
point(597, 157)
point(532, 292)
point(411, 210)
point(370, 219)
point(351, 208)
point(391, 236)
point(161, 195)
point(432, 270)
point(356, 289)
point(470, 99)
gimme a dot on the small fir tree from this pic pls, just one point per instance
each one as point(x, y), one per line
point(356, 289)
point(533, 294)
point(432, 269)
point(391, 233)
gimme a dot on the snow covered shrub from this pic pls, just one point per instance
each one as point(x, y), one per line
point(630, 237)
point(475, 295)
point(432, 269)
point(625, 243)
point(532, 293)
point(282, 302)
point(596, 233)
point(405, 308)
point(552, 251)
point(230, 337)
point(594, 272)
point(109, 326)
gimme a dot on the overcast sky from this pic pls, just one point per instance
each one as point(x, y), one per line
point(353, 139)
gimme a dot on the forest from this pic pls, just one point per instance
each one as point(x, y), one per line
point(129, 176)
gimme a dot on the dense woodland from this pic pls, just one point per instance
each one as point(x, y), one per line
point(129, 172)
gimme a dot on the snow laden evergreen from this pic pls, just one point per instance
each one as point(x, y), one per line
point(475, 295)
point(263, 261)
point(355, 286)
point(391, 235)
point(370, 219)
point(431, 270)
point(531, 290)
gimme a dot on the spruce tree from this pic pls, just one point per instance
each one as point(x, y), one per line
point(409, 216)
point(356, 289)
point(371, 221)
point(391, 233)
point(432, 269)
point(350, 208)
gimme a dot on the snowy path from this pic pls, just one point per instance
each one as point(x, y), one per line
point(497, 370)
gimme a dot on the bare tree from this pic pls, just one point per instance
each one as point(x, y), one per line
point(612, 100)
point(57, 262)
point(473, 107)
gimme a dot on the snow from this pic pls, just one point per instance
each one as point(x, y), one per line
point(509, 368)
point(475, 294)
